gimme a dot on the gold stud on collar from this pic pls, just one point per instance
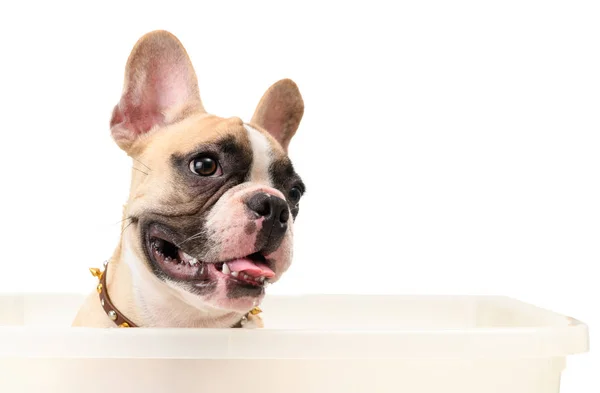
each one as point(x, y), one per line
point(255, 311)
point(124, 325)
point(96, 272)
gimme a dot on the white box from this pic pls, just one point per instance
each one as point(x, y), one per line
point(314, 343)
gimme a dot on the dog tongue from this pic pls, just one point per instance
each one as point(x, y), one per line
point(255, 269)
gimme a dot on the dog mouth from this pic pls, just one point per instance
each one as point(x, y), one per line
point(250, 271)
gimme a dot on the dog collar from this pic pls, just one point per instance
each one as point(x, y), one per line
point(121, 320)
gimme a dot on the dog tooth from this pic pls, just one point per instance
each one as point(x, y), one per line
point(226, 269)
point(193, 261)
point(235, 274)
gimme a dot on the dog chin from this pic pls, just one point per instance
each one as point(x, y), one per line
point(221, 300)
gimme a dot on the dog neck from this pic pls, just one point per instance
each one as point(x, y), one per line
point(140, 296)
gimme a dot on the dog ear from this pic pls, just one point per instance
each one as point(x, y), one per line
point(280, 110)
point(160, 88)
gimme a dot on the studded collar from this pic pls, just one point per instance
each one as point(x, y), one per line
point(121, 320)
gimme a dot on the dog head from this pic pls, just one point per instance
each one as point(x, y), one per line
point(213, 200)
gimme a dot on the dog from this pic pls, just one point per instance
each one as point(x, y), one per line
point(209, 220)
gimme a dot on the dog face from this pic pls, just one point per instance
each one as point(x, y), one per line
point(212, 200)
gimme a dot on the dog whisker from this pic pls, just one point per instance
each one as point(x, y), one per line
point(195, 236)
point(127, 226)
point(125, 219)
point(147, 167)
point(139, 170)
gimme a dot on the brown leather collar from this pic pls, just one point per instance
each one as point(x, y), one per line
point(111, 311)
point(121, 320)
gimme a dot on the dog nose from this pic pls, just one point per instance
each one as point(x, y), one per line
point(270, 207)
point(276, 215)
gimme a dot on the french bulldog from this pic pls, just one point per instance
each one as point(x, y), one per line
point(209, 220)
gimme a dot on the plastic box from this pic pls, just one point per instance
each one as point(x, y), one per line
point(324, 343)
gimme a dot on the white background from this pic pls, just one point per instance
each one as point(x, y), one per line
point(448, 147)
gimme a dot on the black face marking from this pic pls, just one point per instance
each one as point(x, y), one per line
point(285, 179)
point(237, 290)
point(200, 193)
point(234, 158)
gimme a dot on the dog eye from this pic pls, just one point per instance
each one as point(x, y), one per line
point(204, 166)
point(295, 194)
